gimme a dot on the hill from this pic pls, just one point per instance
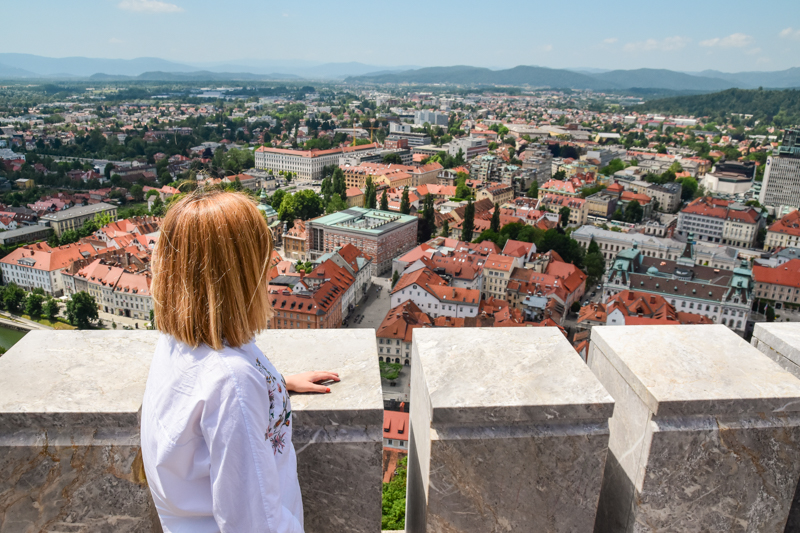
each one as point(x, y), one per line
point(200, 75)
point(86, 66)
point(781, 107)
point(666, 80)
point(648, 78)
point(781, 79)
point(14, 72)
point(465, 75)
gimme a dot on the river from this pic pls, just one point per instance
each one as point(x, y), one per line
point(9, 337)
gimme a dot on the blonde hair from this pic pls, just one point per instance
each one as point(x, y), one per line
point(210, 267)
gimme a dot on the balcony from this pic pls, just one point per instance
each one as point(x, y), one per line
point(668, 428)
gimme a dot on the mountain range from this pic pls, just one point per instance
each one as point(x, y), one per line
point(643, 78)
point(16, 66)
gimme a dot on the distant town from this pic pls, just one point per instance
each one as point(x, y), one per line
point(402, 209)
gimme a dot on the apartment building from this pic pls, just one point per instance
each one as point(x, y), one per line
point(715, 220)
point(391, 175)
point(497, 194)
point(395, 332)
point(784, 233)
point(497, 273)
point(74, 217)
point(38, 265)
point(780, 285)
point(431, 294)
point(780, 187)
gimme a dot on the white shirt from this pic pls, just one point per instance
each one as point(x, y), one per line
point(217, 441)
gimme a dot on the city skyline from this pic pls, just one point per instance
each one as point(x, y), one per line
point(689, 37)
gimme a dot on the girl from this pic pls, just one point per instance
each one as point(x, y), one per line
point(216, 416)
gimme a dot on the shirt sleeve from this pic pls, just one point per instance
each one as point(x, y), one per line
point(245, 482)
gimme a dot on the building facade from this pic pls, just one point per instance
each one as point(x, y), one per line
point(74, 217)
point(381, 235)
point(307, 164)
point(781, 184)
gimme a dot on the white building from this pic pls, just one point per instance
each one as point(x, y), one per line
point(307, 164)
point(432, 295)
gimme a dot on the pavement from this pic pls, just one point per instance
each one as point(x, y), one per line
point(372, 309)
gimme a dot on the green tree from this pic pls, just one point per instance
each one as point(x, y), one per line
point(392, 159)
point(533, 192)
point(688, 187)
point(308, 205)
point(394, 499)
point(13, 297)
point(335, 205)
point(633, 212)
point(69, 236)
point(339, 186)
point(276, 199)
point(615, 165)
point(564, 212)
point(770, 314)
point(595, 263)
point(384, 201)
point(426, 226)
point(52, 308)
point(82, 310)
point(33, 305)
point(445, 229)
point(405, 204)
point(370, 194)
point(108, 169)
point(395, 277)
point(494, 225)
point(137, 192)
point(468, 224)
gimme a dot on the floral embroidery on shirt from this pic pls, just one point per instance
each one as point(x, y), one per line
point(278, 425)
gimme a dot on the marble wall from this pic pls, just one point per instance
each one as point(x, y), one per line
point(69, 435)
point(705, 435)
point(509, 431)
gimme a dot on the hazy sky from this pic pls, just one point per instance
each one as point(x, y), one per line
point(680, 34)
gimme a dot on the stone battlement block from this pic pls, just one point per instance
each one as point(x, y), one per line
point(705, 435)
point(509, 432)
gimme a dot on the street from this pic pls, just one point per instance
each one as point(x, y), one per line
point(373, 307)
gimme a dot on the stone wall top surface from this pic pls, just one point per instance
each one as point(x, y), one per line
point(97, 378)
point(783, 337)
point(495, 375)
point(352, 353)
point(697, 369)
point(76, 375)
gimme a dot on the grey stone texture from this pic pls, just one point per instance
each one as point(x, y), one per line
point(705, 435)
point(781, 342)
point(509, 432)
point(70, 460)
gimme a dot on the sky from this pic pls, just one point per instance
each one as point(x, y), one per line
point(690, 36)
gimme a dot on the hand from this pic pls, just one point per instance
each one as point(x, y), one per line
point(309, 381)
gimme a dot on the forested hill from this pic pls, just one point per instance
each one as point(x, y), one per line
point(779, 107)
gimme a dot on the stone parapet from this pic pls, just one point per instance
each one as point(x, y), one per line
point(509, 432)
point(705, 434)
point(781, 342)
point(70, 459)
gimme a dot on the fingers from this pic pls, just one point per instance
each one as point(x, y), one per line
point(318, 388)
point(325, 376)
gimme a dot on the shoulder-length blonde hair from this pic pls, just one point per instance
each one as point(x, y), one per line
point(210, 264)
